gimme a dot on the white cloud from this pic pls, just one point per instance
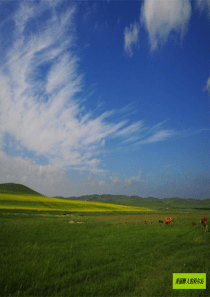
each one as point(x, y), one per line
point(43, 178)
point(207, 88)
point(101, 183)
point(128, 180)
point(203, 5)
point(130, 129)
point(131, 37)
point(158, 136)
point(133, 178)
point(161, 17)
point(89, 177)
point(51, 181)
point(115, 180)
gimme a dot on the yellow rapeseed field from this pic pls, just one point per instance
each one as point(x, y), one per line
point(33, 202)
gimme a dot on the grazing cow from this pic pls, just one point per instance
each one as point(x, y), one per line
point(160, 221)
point(168, 221)
point(192, 224)
point(204, 223)
point(145, 222)
point(151, 223)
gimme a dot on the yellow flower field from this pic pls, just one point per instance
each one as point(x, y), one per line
point(33, 202)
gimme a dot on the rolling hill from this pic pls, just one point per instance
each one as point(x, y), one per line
point(149, 202)
point(12, 188)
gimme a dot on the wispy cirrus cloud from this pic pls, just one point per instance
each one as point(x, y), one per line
point(131, 37)
point(40, 88)
point(158, 136)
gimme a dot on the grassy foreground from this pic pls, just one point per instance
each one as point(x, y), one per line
point(43, 203)
point(42, 254)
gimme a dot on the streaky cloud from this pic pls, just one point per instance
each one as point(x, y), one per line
point(41, 91)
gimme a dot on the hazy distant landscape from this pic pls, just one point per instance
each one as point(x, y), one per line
point(152, 202)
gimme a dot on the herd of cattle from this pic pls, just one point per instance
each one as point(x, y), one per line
point(169, 220)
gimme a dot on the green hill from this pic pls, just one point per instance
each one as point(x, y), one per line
point(173, 203)
point(12, 188)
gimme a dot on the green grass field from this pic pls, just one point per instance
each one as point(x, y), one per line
point(54, 247)
point(42, 254)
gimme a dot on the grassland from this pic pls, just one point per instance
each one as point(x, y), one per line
point(42, 254)
point(58, 247)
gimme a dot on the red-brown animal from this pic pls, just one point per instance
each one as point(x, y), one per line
point(145, 222)
point(168, 221)
point(151, 223)
point(204, 223)
point(192, 224)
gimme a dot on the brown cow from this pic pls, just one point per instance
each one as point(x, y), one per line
point(145, 222)
point(151, 223)
point(192, 224)
point(168, 221)
point(204, 223)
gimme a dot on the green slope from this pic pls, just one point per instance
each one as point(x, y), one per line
point(12, 188)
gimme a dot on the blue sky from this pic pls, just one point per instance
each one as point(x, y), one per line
point(106, 97)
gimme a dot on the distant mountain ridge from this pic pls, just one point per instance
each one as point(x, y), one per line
point(12, 188)
point(150, 202)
